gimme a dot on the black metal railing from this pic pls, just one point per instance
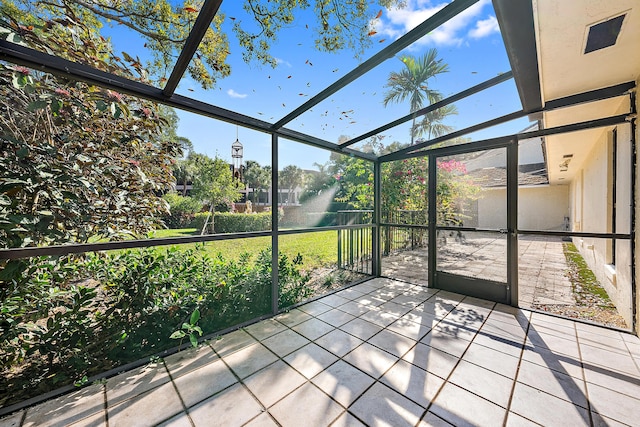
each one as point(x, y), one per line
point(355, 245)
point(403, 230)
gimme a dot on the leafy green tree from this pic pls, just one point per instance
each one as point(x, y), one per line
point(170, 131)
point(355, 179)
point(318, 182)
point(183, 172)
point(257, 177)
point(455, 190)
point(71, 28)
point(213, 183)
point(77, 162)
point(404, 186)
point(290, 177)
point(412, 84)
point(182, 210)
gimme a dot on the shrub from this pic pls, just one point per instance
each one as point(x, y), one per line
point(182, 210)
point(65, 318)
point(238, 223)
point(198, 220)
point(322, 219)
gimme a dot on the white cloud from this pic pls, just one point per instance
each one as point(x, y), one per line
point(453, 32)
point(232, 93)
point(485, 27)
point(281, 61)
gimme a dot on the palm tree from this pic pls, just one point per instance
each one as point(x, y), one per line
point(257, 177)
point(431, 123)
point(412, 83)
point(183, 173)
point(290, 177)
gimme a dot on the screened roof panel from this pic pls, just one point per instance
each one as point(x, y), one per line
point(510, 127)
point(360, 106)
point(67, 30)
point(469, 43)
point(256, 145)
point(301, 71)
point(478, 108)
point(269, 87)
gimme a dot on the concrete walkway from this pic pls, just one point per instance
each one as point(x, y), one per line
point(542, 266)
point(382, 353)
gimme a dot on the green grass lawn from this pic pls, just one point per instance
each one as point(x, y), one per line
point(317, 249)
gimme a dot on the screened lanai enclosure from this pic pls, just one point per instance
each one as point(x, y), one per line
point(172, 172)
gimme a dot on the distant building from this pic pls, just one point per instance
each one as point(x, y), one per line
point(541, 205)
point(263, 198)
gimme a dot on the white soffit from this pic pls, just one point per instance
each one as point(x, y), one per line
point(562, 28)
point(580, 143)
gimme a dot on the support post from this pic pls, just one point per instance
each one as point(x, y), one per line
point(275, 287)
point(512, 222)
point(634, 164)
point(432, 218)
point(377, 211)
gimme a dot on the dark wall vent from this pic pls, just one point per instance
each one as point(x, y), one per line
point(604, 34)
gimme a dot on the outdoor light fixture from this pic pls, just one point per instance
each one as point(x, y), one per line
point(566, 159)
point(564, 166)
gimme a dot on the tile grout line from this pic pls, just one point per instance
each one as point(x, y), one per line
point(281, 358)
point(24, 417)
point(221, 359)
point(175, 387)
point(446, 380)
point(633, 359)
point(241, 382)
point(376, 380)
point(106, 406)
point(515, 376)
point(584, 377)
point(308, 381)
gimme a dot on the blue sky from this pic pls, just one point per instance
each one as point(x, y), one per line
point(470, 44)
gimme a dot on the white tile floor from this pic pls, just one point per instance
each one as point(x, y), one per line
point(383, 353)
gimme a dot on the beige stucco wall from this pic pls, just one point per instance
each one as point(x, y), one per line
point(591, 212)
point(539, 208)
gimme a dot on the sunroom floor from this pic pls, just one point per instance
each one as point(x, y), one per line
point(382, 353)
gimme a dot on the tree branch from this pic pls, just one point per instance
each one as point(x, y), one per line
point(104, 14)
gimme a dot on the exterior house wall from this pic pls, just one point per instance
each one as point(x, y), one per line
point(591, 209)
point(542, 207)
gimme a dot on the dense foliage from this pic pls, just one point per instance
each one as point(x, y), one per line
point(182, 210)
point(164, 26)
point(238, 223)
point(77, 162)
point(258, 178)
point(65, 318)
point(213, 184)
point(404, 188)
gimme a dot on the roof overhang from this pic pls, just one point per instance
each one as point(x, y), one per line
point(562, 68)
point(517, 27)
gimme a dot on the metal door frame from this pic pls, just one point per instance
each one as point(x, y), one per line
point(480, 288)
